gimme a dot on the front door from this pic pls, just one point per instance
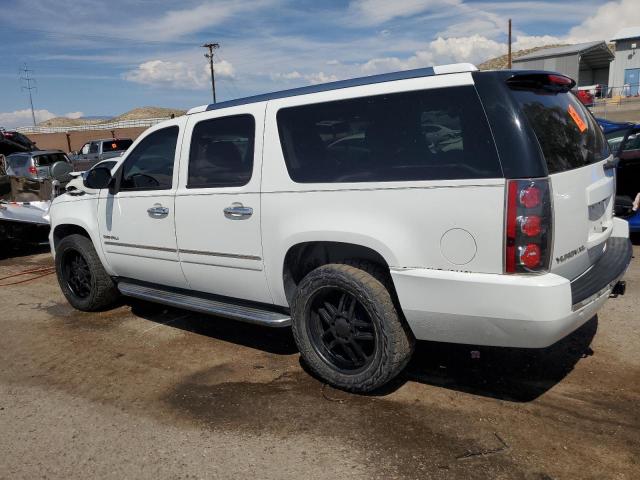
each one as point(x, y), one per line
point(218, 204)
point(137, 223)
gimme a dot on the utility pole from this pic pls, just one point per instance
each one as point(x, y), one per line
point(28, 83)
point(509, 54)
point(211, 47)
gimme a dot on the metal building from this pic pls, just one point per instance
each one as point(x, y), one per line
point(624, 74)
point(586, 63)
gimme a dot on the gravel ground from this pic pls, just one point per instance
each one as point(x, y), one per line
point(142, 391)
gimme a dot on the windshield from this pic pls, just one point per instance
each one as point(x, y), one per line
point(567, 133)
point(114, 145)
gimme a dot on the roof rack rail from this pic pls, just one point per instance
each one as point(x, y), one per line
point(352, 82)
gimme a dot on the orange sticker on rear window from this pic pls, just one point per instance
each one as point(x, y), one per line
point(582, 125)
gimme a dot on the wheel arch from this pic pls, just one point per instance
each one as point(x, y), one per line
point(303, 257)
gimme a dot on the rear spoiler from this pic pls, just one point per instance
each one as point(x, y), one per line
point(548, 81)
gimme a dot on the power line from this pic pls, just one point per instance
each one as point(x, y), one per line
point(28, 83)
point(211, 47)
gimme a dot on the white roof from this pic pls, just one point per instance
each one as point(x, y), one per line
point(625, 33)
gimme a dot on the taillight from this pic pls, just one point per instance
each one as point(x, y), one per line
point(33, 170)
point(528, 226)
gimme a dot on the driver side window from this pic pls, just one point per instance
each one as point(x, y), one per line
point(150, 165)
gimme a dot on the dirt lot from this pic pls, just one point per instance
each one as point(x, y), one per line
point(146, 392)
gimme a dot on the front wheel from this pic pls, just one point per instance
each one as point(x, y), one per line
point(347, 327)
point(82, 278)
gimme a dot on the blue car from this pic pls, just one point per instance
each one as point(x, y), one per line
point(624, 142)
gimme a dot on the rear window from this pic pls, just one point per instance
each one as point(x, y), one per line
point(49, 159)
point(17, 161)
point(424, 135)
point(566, 131)
point(115, 145)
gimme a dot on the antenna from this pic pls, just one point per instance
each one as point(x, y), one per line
point(28, 83)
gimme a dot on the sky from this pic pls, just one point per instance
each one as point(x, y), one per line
point(102, 58)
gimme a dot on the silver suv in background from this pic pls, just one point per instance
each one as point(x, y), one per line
point(40, 165)
point(98, 150)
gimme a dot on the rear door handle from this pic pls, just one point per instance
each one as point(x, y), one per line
point(158, 210)
point(236, 211)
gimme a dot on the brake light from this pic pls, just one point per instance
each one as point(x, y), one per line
point(560, 80)
point(33, 170)
point(528, 226)
point(531, 225)
point(530, 197)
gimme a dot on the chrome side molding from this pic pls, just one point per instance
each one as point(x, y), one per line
point(205, 305)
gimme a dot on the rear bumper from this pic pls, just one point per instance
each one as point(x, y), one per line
point(506, 310)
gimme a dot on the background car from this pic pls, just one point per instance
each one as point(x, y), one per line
point(98, 150)
point(39, 165)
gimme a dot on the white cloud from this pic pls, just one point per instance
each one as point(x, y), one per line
point(312, 78)
point(177, 23)
point(473, 49)
point(178, 74)
point(375, 12)
point(606, 21)
point(74, 115)
point(22, 118)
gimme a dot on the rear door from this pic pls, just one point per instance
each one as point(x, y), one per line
point(218, 203)
point(582, 183)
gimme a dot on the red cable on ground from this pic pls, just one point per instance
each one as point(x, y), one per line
point(27, 272)
point(27, 280)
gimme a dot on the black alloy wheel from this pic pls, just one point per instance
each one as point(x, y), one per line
point(341, 330)
point(76, 272)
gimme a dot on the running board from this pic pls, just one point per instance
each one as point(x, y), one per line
point(202, 304)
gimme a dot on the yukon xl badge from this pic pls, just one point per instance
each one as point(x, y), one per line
point(571, 254)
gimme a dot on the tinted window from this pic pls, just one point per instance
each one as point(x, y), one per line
point(567, 133)
point(221, 153)
point(150, 165)
point(93, 147)
point(115, 145)
point(425, 135)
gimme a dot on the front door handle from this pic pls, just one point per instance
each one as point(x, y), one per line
point(236, 211)
point(158, 211)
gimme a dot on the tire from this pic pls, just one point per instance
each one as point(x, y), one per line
point(97, 291)
point(325, 348)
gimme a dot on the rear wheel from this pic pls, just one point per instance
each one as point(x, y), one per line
point(82, 278)
point(347, 327)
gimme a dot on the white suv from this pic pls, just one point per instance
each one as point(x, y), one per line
point(334, 209)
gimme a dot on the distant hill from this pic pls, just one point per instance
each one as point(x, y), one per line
point(502, 62)
point(135, 114)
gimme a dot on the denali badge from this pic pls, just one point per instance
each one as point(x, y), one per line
point(571, 254)
point(110, 237)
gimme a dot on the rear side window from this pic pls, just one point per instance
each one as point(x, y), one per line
point(567, 133)
point(221, 153)
point(116, 145)
point(150, 165)
point(424, 135)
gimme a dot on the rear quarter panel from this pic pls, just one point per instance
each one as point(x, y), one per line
point(405, 222)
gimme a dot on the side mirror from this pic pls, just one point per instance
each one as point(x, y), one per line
point(98, 178)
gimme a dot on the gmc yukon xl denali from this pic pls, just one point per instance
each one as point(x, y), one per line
point(335, 209)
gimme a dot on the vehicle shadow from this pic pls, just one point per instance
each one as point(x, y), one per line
point(513, 374)
point(635, 238)
point(15, 250)
point(278, 341)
